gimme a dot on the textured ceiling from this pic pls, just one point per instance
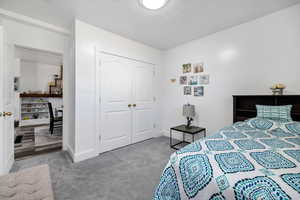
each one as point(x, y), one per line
point(178, 22)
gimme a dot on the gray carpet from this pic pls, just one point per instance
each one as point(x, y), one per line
point(129, 173)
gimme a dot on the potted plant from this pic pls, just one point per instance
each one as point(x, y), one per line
point(277, 89)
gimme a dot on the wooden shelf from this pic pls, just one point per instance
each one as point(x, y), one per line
point(42, 95)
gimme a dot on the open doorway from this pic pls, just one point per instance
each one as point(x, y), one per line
point(38, 90)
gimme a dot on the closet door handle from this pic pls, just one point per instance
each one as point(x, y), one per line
point(134, 105)
point(129, 105)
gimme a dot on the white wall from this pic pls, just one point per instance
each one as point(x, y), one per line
point(246, 59)
point(36, 76)
point(69, 92)
point(87, 38)
point(36, 37)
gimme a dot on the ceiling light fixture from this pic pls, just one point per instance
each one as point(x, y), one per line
point(153, 4)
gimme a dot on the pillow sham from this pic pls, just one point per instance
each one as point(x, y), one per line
point(282, 113)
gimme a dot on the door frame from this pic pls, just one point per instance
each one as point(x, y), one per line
point(7, 143)
point(98, 72)
point(65, 145)
point(3, 168)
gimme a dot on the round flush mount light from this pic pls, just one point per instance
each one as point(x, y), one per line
point(153, 4)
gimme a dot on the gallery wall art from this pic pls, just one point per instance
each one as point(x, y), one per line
point(198, 91)
point(187, 68)
point(187, 90)
point(183, 80)
point(194, 79)
point(198, 68)
point(204, 79)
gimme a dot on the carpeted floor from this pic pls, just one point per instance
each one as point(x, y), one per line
point(129, 173)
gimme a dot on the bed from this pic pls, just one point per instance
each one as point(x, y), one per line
point(253, 159)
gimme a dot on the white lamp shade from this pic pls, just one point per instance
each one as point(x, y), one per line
point(189, 110)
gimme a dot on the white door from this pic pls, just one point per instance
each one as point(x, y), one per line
point(116, 98)
point(126, 102)
point(6, 107)
point(143, 97)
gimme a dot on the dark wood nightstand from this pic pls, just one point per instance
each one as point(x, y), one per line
point(193, 130)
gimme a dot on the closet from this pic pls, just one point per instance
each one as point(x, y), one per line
point(126, 101)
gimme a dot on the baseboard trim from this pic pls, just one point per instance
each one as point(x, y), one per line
point(78, 157)
point(70, 151)
point(165, 133)
point(10, 163)
point(158, 133)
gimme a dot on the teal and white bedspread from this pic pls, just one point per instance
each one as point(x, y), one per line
point(255, 159)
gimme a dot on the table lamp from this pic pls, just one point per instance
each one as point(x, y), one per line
point(189, 113)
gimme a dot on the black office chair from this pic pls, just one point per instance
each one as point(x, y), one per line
point(55, 122)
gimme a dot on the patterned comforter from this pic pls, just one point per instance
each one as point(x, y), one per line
point(255, 159)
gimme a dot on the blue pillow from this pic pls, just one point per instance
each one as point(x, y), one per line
point(282, 113)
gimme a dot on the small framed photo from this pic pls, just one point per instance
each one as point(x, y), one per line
point(187, 90)
point(187, 68)
point(204, 79)
point(198, 68)
point(183, 80)
point(199, 91)
point(193, 80)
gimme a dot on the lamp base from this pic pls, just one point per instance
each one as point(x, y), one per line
point(189, 123)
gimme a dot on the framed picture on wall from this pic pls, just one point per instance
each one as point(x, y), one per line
point(204, 79)
point(183, 80)
point(198, 68)
point(193, 80)
point(187, 90)
point(187, 68)
point(199, 91)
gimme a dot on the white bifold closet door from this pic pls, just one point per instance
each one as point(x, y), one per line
point(127, 102)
